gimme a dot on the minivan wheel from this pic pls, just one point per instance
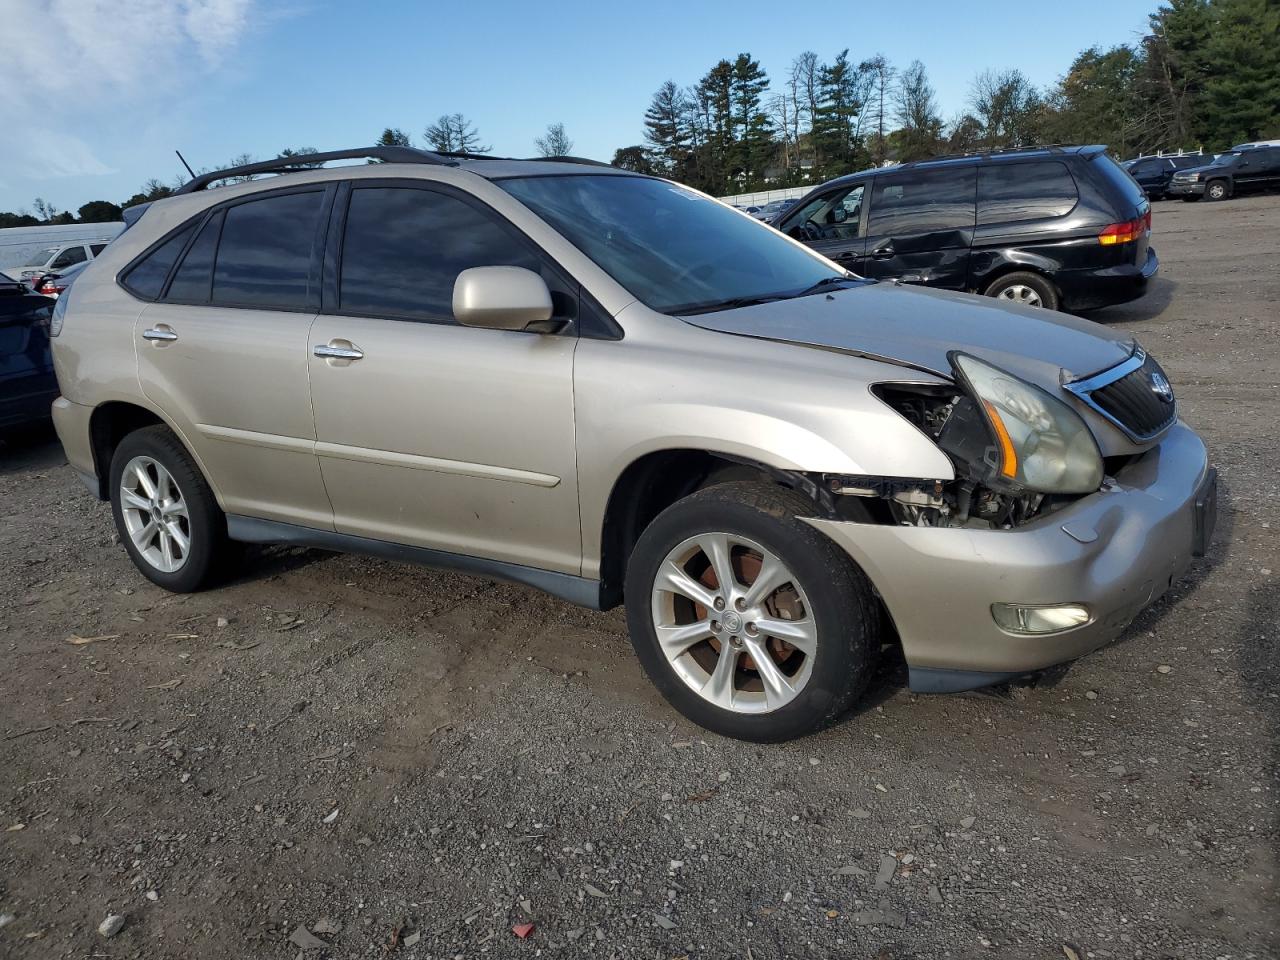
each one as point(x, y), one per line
point(749, 621)
point(165, 513)
point(1028, 289)
point(1216, 190)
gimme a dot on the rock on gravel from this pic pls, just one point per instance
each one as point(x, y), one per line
point(112, 925)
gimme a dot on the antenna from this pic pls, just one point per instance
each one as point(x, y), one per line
point(185, 164)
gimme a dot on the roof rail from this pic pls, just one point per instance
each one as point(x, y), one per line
point(998, 151)
point(489, 156)
point(307, 161)
point(565, 159)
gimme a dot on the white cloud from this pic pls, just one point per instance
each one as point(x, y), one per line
point(79, 52)
point(44, 154)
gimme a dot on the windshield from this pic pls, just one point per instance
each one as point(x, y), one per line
point(1226, 160)
point(676, 251)
point(41, 257)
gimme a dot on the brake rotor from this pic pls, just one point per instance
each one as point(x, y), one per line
point(784, 603)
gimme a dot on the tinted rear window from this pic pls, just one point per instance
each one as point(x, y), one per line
point(1115, 175)
point(147, 278)
point(929, 201)
point(190, 283)
point(1012, 192)
point(264, 257)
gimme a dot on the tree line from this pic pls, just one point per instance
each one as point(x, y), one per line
point(451, 133)
point(1206, 75)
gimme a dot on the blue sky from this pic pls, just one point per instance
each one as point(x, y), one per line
point(127, 81)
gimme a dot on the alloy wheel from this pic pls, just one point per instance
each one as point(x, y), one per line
point(734, 623)
point(1020, 293)
point(155, 514)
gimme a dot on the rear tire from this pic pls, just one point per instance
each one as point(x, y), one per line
point(1026, 288)
point(1216, 190)
point(166, 515)
point(715, 673)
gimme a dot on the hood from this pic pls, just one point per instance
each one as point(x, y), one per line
point(1202, 169)
point(917, 327)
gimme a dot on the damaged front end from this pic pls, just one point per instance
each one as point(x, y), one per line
point(1018, 452)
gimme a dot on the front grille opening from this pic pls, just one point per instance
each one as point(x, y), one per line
point(1135, 401)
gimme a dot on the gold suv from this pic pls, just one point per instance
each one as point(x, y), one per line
point(616, 389)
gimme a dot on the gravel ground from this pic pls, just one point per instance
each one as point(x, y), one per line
point(407, 762)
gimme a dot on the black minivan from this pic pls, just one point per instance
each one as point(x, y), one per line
point(1058, 227)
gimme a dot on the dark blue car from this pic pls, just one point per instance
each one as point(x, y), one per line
point(27, 384)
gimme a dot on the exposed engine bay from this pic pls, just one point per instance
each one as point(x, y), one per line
point(975, 498)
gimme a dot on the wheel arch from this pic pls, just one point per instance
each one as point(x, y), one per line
point(1025, 263)
point(112, 421)
point(654, 480)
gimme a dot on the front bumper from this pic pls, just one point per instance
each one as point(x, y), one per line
point(1177, 189)
point(1116, 551)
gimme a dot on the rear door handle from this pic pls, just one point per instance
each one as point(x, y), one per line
point(338, 350)
point(160, 332)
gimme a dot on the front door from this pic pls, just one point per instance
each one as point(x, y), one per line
point(222, 350)
point(920, 226)
point(428, 432)
point(832, 225)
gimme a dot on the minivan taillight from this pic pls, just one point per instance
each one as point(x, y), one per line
point(1125, 232)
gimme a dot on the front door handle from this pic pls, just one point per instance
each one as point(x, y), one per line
point(883, 252)
point(338, 352)
point(161, 332)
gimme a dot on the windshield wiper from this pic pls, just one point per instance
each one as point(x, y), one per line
point(823, 284)
point(732, 303)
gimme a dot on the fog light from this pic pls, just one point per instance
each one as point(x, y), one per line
point(1039, 619)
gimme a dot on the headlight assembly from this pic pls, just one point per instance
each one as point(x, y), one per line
point(1039, 443)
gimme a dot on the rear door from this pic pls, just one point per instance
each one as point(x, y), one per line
point(920, 226)
point(222, 348)
point(432, 433)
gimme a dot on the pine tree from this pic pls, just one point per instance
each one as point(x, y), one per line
point(1242, 90)
point(752, 130)
point(665, 127)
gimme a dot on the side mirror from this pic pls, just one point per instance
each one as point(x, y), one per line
point(500, 298)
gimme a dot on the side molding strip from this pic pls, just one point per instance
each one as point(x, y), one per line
point(579, 590)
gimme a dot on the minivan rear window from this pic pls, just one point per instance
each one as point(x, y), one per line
point(1119, 178)
point(1013, 192)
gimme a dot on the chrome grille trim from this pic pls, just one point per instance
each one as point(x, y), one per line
point(1144, 428)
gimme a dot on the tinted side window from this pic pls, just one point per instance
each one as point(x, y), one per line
point(97, 248)
point(147, 278)
point(190, 284)
point(264, 256)
point(1009, 192)
point(403, 249)
point(927, 201)
point(69, 257)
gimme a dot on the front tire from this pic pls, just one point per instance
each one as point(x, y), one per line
point(165, 513)
point(749, 621)
point(1026, 288)
point(1216, 190)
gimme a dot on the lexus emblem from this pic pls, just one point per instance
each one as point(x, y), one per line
point(1160, 387)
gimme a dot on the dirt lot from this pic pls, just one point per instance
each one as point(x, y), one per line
point(410, 762)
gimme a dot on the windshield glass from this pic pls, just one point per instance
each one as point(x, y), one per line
point(41, 257)
point(675, 250)
point(1226, 160)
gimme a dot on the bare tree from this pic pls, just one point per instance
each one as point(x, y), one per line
point(454, 133)
point(916, 111)
point(880, 74)
point(556, 143)
point(1005, 104)
point(804, 83)
point(44, 210)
